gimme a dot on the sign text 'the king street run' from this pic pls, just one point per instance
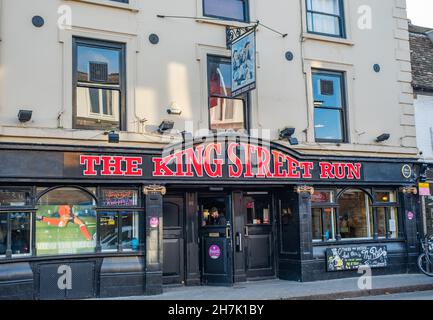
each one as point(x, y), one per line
point(247, 161)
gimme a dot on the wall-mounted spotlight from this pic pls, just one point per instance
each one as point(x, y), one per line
point(288, 133)
point(166, 125)
point(383, 137)
point(113, 137)
point(25, 115)
point(174, 109)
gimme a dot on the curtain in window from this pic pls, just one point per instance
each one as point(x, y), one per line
point(319, 20)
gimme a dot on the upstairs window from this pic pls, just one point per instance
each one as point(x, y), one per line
point(225, 112)
point(329, 107)
point(99, 85)
point(226, 9)
point(326, 17)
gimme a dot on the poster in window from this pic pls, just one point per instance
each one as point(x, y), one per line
point(244, 64)
point(65, 229)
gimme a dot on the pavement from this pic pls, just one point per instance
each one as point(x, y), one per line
point(288, 290)
point(420, 295)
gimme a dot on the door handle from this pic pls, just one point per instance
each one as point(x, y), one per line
point(228, 233)
point(239, 243)
point(246, 232)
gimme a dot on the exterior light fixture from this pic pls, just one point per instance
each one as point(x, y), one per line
point(174, 109)
point(166, 125)
point(383, 137)
point(113, 137)
point(288, 133)
point(25, 115)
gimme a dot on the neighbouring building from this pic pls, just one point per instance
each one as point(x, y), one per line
point(421, 43)
point(145, 143)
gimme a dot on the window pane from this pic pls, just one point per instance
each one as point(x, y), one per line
point(14, 198)
point(109, 230)
point(322, 197)
point(227, 114)
point(354, 215)
point(171, 213)
point(20, 233)
point(258, 209)
point(317, 224)
point(89, 111)
point(3, 233)
point(230, 9)
point(385, 196)
point(327, 124)
point(326, 6)
point(381, 222)
point(327, 90)
point(98, 65)
point(119, 198)
point(320, 23)
point(130, 233)
point(220, 77)
point(66, 222)
point(329, 223)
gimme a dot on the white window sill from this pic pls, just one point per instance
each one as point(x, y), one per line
point(311, 36)
point(131, 6)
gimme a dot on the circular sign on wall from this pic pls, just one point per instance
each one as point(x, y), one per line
point(154, 222)
point(410, 215)
point(406, 170)
point(214, 252)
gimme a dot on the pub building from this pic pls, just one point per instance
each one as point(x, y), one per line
point(82, 222)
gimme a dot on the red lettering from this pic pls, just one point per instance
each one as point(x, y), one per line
point(112, 166)
point(293, 166)
point(210, 150)
point(194, 159)
point(90, 162)
point(307, 167)
point(326, 170)
point(278, 163)
point(161, 169)
point(132, 166)
point(235, 160)
point(179, 164)
point(248, 149)
point(354, 171)
point(340, 170)
point(264, 159)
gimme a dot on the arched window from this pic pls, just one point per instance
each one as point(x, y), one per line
point(66, 222)
point(355, 220)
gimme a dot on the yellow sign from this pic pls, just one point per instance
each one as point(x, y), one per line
point(424, 189)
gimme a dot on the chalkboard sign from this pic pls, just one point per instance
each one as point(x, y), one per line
point(351, 258)
point(119, 198)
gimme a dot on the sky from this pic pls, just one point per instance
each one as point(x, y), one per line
point(420, 12)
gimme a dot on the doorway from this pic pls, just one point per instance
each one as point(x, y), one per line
point(216, 245)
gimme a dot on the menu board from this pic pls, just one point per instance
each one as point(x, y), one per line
point(351, 258)
point(119, 198)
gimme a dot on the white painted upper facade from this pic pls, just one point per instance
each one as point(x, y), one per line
point(36, 71)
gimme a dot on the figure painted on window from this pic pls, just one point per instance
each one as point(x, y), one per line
point(66, 217)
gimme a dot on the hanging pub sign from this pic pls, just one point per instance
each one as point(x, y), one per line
point(243, 53)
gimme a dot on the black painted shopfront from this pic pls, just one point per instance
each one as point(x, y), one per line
point(80, 222)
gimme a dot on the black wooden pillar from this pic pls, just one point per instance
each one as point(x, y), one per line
point(154, 239)
point(411, 216)
point(295, 233)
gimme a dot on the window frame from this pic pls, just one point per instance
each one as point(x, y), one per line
point(8, 253)
point(245, 98)
point(326, 205)
point(341, 20)
point(246, 12)
point(371, 215)
point(119, 245)
point(343, 110)
point(104, 44)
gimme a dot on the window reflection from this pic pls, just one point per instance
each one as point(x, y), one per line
point(354, 215)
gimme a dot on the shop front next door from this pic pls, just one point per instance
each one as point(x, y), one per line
point(216, 240)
